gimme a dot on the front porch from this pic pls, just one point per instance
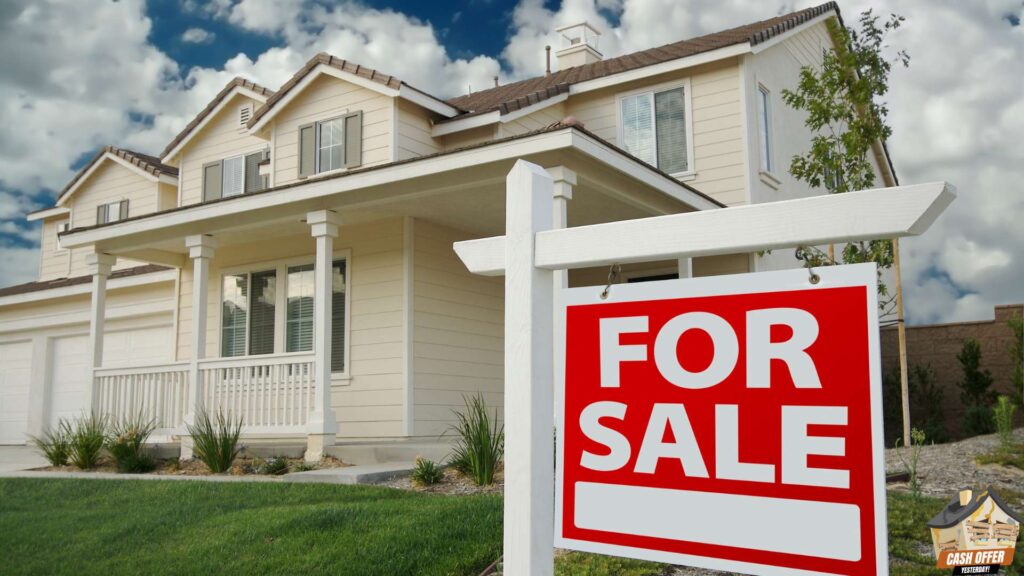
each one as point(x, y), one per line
point(336, 310)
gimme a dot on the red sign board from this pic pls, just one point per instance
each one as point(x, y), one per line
point(730, 422)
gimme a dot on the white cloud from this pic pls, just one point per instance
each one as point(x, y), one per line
point(197, 36)
point(19, 265)
point(957, 111)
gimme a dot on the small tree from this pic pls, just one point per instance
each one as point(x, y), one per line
point(975, 390)
point(842, 99)
point(927, 404)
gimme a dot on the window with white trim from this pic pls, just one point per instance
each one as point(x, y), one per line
point(249, 304)
point(764, 128)
point(330, 144)
point(655, 128)
point(112, 212)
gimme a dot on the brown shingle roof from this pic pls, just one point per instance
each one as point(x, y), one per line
point(235, 82)
point(335, 62)
point(76, 280)
point(516, 95)
point(147, 163)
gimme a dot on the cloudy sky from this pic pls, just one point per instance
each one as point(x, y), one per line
point(80, 74)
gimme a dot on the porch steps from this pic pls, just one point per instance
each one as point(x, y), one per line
point(360, 453)
point(362, 474)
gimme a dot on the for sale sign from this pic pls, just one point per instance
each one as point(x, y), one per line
point(730, 422)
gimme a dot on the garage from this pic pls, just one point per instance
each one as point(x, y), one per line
point(15, 375)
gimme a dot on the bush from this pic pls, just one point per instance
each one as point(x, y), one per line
point(1002, 417)
point(127, 445)
point(926, 404)
point(87, 439)
point(426, 472)
point(273, 466)
point(55, 444)
point(480, 444)
point(978, 420)
point(215, 443)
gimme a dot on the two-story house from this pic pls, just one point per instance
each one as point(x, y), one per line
point(288, 257)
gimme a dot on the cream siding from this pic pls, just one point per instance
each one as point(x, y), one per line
point(414, 126)
point(458, 333)
point(539, 119)
point(325, 98)
point(719, 157)
point(53, 262)
point(223, 137)
point(370, 403)
point(469, 137)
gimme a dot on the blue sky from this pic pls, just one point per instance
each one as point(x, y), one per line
point(132, 73)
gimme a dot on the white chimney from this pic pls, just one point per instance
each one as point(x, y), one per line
point(579, 45)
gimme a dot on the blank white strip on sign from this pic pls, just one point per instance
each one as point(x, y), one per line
point(818, 529)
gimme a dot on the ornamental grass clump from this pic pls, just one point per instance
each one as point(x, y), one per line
point(480, 441)
point(1003, 418)
point(215, 442)
point(426, 472)
point(88, 435)
point(127, 445)
point(55, 443)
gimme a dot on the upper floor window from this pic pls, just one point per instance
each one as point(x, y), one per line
point(112, 212)
point(764, 128)
point(331, 144)
point(655, 128)
point(234, 176)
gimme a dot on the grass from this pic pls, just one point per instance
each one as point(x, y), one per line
point(168, 527)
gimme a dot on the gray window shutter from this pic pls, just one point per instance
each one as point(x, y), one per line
point(354, 140)
point(124, 209)
point(253, 181)
point(307, 150)
point(212, 181)
point(101, 214)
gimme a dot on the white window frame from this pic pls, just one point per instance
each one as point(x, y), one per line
point(316, 144)
point(61, 226)
point(281, 305)
point(691, 172)
point(765, 132)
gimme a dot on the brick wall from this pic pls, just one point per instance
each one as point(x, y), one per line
point(938, 345)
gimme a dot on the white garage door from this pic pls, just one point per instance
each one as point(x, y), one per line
point(15, 373)
point(71, 364)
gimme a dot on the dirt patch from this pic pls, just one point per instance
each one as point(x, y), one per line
point(454, 483)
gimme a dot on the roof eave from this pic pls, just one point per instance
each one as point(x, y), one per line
point(172, 153)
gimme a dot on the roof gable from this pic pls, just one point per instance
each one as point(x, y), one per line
point(363, 76)
point(149, 167)
point(236, 86)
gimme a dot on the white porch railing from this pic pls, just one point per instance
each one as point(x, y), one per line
point(151, 392)
point(271, 394)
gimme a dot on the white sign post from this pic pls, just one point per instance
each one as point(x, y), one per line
point(530, 251)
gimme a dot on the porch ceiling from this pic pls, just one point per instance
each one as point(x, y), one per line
point(464, 190)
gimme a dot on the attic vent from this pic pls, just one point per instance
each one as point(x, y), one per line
point(244, 113)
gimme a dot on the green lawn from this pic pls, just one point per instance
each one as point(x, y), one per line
point(167, 527)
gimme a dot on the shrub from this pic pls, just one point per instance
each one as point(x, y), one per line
point(975, 390)
point(87, 439)
point(215, 443)
point(480, 443)
point(273, 466)
point(1016, 350)
point(55, 444)
point(127, 445)
point(303, 467)
point(426, 472)
point(926, 404)
point(1002, 417)
point(910, 456)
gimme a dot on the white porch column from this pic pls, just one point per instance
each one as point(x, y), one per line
point(99, 266)
point(200, 250)
point(529, 369)
point(564, 181)
point(322, 424)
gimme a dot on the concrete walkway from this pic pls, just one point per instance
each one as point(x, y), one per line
point(363, 474)
point(15, 458)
